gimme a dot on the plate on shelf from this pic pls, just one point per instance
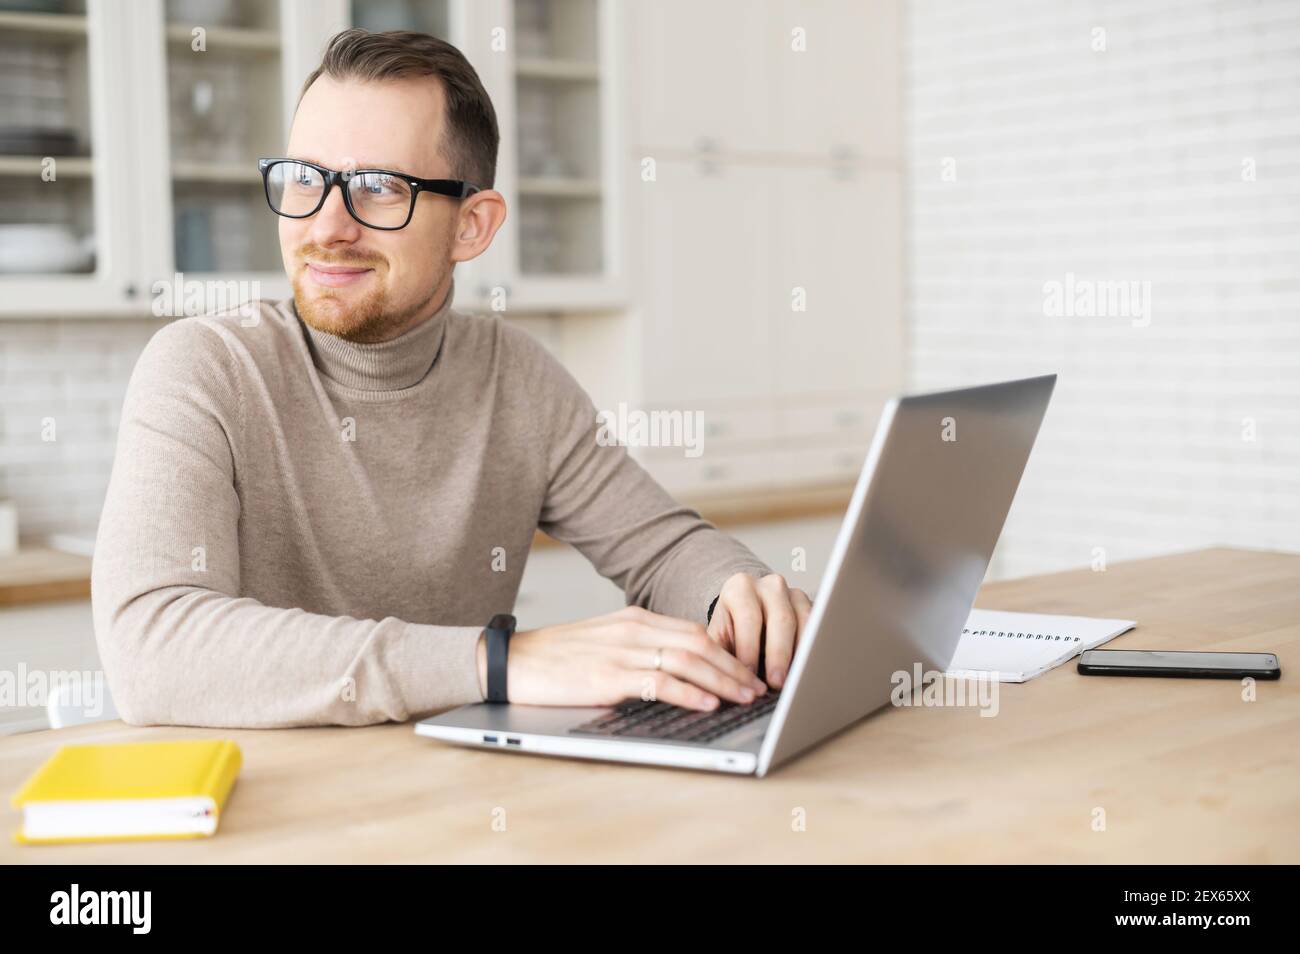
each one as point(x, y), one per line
point(42, 249)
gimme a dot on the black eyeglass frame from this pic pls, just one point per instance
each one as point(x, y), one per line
point(453, 188)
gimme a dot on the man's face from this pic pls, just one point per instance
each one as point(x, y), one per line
point(360, 283)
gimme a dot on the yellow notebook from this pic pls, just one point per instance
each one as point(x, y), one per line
point(128, 791)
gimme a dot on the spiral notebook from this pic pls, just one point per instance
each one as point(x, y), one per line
point(1019, 646)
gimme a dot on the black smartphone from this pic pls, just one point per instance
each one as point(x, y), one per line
point(1138, 662)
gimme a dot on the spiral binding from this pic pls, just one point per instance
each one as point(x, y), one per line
point(1009, 635)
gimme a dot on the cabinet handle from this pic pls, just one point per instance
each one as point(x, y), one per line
point(843, 159)
point(707, 149)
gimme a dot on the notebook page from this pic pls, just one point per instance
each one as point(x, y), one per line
point(1019, 646)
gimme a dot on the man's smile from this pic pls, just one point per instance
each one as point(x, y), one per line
point(337, 275)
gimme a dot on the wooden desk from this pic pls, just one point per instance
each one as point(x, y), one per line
point(1184, 769)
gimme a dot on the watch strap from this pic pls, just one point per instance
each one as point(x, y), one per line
point(498, 633)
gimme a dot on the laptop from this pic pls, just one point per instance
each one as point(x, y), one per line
point(910, 555)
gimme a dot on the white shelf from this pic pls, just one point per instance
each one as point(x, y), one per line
point(55, 25)
point(78, 167)
point(544, 68)
point(230, 39)
point(556, 187)
point(225, 173)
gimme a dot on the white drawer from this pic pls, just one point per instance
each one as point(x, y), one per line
point(717, 471)
point(730, 424)
point(702, 427)
point(844, 420)
point(839, 463)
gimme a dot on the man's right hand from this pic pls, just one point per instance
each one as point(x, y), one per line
point(607, 659)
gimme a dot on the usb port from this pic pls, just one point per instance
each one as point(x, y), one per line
point(510, 741)
point(490, 738)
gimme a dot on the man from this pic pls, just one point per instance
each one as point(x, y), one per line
point(314, 514)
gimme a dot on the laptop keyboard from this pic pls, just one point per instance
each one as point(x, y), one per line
point(638, 719)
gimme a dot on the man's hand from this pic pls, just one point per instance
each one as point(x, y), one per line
point(767, 614)
point(602, 661)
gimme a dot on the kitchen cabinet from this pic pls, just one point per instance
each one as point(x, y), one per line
point(771, 307)
point(835, 279)
point(705, 238)
point(68, 222)
point(769, 280)
point(759, 78)
point(701, 73)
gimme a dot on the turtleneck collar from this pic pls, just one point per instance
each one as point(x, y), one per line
point(391, 365)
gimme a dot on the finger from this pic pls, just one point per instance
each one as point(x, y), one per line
point(720, 628)
point(660, 686)
point(780, 624)
point(746, 613)
point(698, 671)
point(694, 639)
point(802, 609)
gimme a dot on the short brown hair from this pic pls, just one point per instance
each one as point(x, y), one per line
point(471, 137)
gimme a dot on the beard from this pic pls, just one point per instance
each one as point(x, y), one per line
point(364, 319)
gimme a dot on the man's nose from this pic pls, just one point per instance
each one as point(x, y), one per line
point(332, 223)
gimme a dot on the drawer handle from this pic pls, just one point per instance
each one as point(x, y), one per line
point(848, 418)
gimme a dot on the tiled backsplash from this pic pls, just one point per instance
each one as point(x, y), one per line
point(63, 379)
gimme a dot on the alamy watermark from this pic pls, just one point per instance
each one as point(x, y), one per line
point(632, 427)
point(82, 690)
point(931, 688)
point(179, 297)
point(1084, 298)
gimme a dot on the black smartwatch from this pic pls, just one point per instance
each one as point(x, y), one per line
point(498, 633)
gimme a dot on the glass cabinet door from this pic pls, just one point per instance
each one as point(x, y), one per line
point(422, 16)
point(224, 110)
point(557, 137)
point(63, 221)
point(559, 153)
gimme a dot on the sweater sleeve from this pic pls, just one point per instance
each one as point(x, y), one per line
point(663, 555)
point(179, 645)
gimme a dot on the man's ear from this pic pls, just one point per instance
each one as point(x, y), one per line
point(476, 224)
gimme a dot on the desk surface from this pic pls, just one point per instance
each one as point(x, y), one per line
point(1185, 770)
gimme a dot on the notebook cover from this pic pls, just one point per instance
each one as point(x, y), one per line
point(134, 770)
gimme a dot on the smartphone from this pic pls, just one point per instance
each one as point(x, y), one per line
point(1137, 662)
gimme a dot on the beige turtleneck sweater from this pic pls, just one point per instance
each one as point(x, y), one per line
point(301, 531)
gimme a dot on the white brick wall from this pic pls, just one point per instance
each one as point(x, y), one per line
point(1124, 164)
point(75, 372)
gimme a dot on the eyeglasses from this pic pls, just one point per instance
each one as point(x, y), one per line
point(377, 198)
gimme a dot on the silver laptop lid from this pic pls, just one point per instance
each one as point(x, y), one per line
point(911, 554)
